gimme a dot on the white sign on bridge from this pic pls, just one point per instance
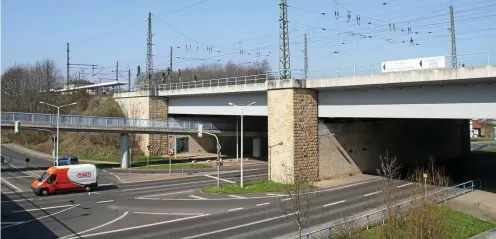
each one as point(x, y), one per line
point(414, 64)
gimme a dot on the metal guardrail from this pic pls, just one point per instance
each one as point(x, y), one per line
point(463, 60)
point(370, 219)
point(82, 121)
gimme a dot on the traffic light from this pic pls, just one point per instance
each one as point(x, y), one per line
point(17, 127)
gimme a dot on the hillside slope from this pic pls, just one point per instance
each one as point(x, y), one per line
point(81, 144)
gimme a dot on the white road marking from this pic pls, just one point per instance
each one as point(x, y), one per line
point(27, 176)
point(10, 223)
point(163, 194)
point(141, 226)
point(105, 201)
point(163, 186)
point(235, 209)
point(118, 178)
point(42, 208)
point(236, 196)
point(286, 199)
point(12, 186)
point(169, 213)
point(370, 194)
point(275, 194)
point(334, 203)
point(239, 226)
point(26, 172)
point(404, 185)
point(198, 197)
point(221, 179)
point(94, 228)
point(94, 192)
point(104, 170)
point(262, 204)
point(37, 219)
point(106, 184)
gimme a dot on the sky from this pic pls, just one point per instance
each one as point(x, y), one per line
point(104, 32)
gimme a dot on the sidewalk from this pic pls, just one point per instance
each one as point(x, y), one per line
point(479, 204)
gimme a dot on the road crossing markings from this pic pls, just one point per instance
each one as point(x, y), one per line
point(334, 203)
point(236, 196)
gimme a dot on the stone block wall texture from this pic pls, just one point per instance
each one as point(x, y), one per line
point(293, 120)
point(145, 107)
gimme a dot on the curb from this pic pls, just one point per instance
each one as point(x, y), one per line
point(489, 234)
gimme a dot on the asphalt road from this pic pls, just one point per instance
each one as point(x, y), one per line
point(172, 208)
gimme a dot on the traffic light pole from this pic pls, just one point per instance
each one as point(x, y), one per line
point(200, 132)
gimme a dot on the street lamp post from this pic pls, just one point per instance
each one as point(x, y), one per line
point(58, 123)
point(242, 110)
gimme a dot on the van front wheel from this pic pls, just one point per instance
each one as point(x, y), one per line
point(44, 192)
point(87, 188)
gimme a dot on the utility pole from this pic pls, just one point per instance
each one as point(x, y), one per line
point(149, 53)
point(170, 66)
point(67, 76)
point(284, 61)
point(454, 61)
point(305, 53)
point(129, 79)
point(117, 71)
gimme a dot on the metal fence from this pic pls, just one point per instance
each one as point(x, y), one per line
point(380, 216)
point(82, 121)
point(463, 60)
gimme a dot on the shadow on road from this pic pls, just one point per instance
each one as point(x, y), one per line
point(30, 228)
point(479, 166)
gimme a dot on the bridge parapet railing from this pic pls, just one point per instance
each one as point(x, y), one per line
point(107, 122)
point(462, 60)
point(380, 216)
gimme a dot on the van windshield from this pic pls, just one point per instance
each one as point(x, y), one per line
point(43, 177)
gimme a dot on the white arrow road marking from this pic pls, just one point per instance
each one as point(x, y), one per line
point(36, 219)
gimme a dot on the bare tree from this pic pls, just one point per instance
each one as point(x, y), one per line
point(298, 207)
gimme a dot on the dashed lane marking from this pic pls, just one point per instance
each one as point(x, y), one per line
point(163, 194)
point(404, 185)
point(197, 197)
point(370, 194)
point(334, 203)
point(263, 204)
point(236, 196)
point(235, 209)
point(105, 201)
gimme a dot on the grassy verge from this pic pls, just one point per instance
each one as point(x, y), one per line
point(482, 139)
point(456, 224)
point(136, 159)
point(486, 149)
point(253, 186)
point(176, 166)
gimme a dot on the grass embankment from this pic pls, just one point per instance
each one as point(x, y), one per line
point(487, 149)
point(155, 162)
point(176, 166)
point(449, 223)
point(253, 186)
